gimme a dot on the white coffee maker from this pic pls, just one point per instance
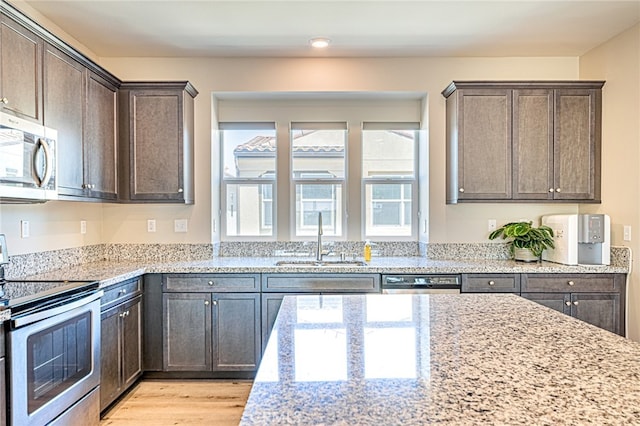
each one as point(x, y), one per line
point(580, 239)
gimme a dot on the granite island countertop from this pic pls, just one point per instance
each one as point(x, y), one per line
point(111, 272)
point(462, 359)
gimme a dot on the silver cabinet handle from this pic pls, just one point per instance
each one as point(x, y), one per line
point(206, 302)
point(215, 302)
point(210, 283)
point(180, 190)
point(557, 189)
point(575, 303)
point(551, 189)
point(461, 190)
point(123, 291)
point(4, 101)
point(124, 314)
point(492, 282)
point(567, 303)
point(571, 283)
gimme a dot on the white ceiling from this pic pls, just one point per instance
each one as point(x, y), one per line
point(357, 28)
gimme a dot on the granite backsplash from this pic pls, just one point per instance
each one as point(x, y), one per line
point(36, 263)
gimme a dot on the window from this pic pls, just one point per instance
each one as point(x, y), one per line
point(318, 176)
point(389, 179)
point(248, 178)
point(287, 157)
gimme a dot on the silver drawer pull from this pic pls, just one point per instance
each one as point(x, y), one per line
point(215, 302)
point(206, 303)
point(492, 282)
point(210, 283)
point(567, 303)
point(571, 283)
point(5, 101)
point(557, 189)
point(575, 303)
point(461, 190)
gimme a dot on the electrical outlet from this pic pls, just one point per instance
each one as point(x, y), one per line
point(25, 230)
point(491, 225)
point(180, 225)
point(627, 233)
point(151, 225)
point(83, 226)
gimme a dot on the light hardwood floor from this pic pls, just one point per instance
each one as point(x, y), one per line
point(180, 402)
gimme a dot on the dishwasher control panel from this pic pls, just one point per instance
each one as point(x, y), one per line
point(417, 281)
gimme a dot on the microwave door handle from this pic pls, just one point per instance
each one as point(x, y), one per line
point(48, 166)
point(48, 162)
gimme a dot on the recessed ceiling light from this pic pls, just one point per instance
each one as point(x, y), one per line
point(319, 42)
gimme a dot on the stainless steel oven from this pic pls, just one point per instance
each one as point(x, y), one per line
point(27, 161)
point(54, 356)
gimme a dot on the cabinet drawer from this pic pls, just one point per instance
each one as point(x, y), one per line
point(314, 283)
point(117, 293)
point(197, 283)
point(502, 283)
point(569, 283)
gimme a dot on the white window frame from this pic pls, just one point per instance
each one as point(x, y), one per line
point(340, 217)
point(373, 180)
point(226, 181)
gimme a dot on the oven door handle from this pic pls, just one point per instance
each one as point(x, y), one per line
point(47, 313)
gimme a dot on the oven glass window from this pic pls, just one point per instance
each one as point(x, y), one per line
point(58, 357)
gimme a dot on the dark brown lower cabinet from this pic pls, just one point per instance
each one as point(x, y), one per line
point(121, 349)
point(212, 332)
point(598, 299)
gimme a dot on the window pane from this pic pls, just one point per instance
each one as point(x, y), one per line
point(318, 153)
point(388, 153)
point(248, 212)
point(386, 214)
point(312, 199)
point(249, 153)
point(388, 209)
point(386, 192)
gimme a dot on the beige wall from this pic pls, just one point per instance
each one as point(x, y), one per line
point(618, 62)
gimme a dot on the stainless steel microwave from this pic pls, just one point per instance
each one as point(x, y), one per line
point(28, 161)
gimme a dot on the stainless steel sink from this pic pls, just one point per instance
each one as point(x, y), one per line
point(320, 263)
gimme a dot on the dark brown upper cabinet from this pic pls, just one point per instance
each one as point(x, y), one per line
point(156, 142)
point(523, 141)
point(20, 70)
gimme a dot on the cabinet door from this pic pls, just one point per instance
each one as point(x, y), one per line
point(131, 342)
point(187, 331)
point(236, 340)
point(601, 310)
point(63, 111)
point(533, 144)
point(557, 301)
point(110, 349)
point(100, 138)
point(577, 144)
point(21, 71)
point(270, 306)
point(484, 144)
point(157, 145)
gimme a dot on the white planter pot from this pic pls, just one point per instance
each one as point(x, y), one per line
point(524, 255)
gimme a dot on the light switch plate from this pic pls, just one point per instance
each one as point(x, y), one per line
point(25, 229)
point(151, 225)
point(180, 225)
point(626, 233)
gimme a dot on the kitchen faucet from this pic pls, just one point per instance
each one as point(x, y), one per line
point(319, 248)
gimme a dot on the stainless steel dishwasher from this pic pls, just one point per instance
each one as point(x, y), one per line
point(421, 284)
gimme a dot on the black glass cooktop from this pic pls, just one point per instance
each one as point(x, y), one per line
point(22, 295)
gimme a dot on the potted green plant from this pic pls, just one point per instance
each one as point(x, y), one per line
point(527, 242)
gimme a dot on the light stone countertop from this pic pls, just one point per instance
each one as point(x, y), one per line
point(463, 359)
point(110, 272)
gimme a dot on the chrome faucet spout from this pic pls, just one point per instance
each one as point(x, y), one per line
point(319, 248)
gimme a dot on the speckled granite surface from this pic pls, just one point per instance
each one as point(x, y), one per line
point(110, 272)
point(449, 359)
